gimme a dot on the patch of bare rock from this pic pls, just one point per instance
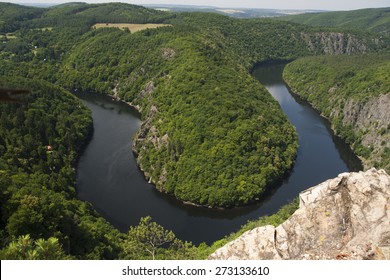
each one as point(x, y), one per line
point(347, 217)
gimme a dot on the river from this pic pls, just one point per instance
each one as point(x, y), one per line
point(109, 178)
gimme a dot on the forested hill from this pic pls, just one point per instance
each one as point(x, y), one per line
point(75, 14)
point(354, 93)
point(12, 16)
point(211, 134)
point(374, 20)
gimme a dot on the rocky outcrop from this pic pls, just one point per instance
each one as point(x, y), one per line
point(371, 116)
point(361, 115)
point(333, 43)
point(347, 217)
point(149, 136)
point(146, 93)
point(370, 121)
point(168, 53)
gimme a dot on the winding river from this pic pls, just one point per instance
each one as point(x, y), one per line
point(109, 178)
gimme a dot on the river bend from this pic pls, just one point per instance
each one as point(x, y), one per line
point(109, 178)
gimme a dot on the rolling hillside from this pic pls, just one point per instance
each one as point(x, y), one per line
point(374, 20)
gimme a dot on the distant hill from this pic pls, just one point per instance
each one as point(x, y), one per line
point(9, 9)
point(233, 12)
point(93, 13)
point(75, 14)
point(46, 5)
point(375, 20)
point(11, 15)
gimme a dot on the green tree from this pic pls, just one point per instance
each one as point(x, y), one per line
point(148, 237)
point(150, 240)
point(25, 248)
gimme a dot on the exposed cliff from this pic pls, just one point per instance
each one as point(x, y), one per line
point(353, 92)
point(334, 43)
point(343, 218)
point(372, 120)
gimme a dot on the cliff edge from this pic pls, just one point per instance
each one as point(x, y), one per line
point(347, 217)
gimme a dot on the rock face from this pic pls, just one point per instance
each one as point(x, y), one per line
point(347, 217)
point(149, 137)
point(333, 43)
point(371, 120)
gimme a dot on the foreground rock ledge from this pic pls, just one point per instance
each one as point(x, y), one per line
point(347, 217)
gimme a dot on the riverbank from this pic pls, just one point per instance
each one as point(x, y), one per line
point(353, 93)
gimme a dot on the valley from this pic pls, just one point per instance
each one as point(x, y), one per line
point(210, 134)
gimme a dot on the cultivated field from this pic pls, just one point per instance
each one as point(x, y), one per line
point(133, 27)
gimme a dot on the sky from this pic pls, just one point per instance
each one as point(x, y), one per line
point(334, 5)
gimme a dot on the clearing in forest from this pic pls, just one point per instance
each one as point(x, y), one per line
point(133, 27)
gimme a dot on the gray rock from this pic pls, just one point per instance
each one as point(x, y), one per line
point(333, 43)
point(347, 217)
point(370, 120)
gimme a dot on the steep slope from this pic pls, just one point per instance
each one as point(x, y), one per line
point(343, 218)
point(353, 92)
point(375, 20)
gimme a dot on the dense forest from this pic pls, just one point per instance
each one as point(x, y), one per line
point(211, 134)
point(353, 92)
point(39, 144)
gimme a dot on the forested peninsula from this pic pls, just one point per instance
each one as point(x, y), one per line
point(211, 134)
